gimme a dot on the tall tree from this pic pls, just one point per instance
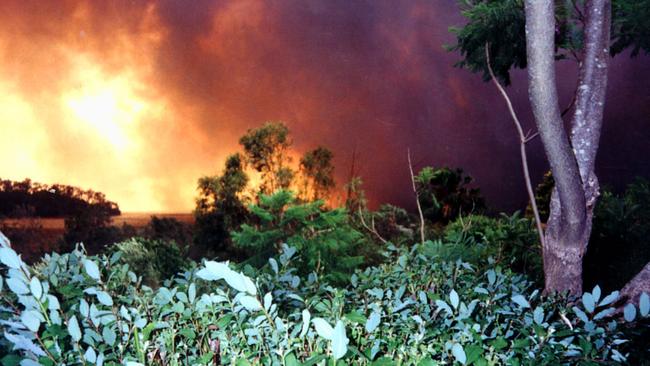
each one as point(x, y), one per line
point(538, 34)
point(317, 173)
point(265, 150)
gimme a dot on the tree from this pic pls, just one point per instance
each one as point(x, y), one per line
point(220, 207)
point(576, 30)
point(265, 150)
point(317, 173)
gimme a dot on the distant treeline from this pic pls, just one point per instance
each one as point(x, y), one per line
point(27, 198)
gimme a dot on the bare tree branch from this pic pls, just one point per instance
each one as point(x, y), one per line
point(417, 197)
point(371, 228)
point(523, 139)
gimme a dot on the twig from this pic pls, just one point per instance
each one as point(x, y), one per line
point(372, 228)
point(417, 196)
point(523, 139)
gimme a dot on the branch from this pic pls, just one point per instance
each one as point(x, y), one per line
point(371, 228)
point(417, 197)
point(523, 139)
point(638, 285)
point(540, 49)
point(592, 84)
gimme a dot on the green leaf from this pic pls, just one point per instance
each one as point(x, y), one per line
point(339, 341)
point(459, 353)
point(268, 299)
point(36, 288)
point(629, 312)
point(104, 298)
point(373, 322)
point(91, 269)
point(588, 302)
point(191, 293)
point(306, 317)
point(31, 319)
point(17, 286)
point(109, 335)
point(9, 258)
point(73, 329)
point(521, 301)
point(323, 328)
point(538, 315)
point(609, 299)
point(250, 303)
point(53, 303)
point(454, 299)
point(356, 317)
point(644, 304)
point(90, 355)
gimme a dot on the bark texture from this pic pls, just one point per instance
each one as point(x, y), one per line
point(573, 158)
point(638, 285)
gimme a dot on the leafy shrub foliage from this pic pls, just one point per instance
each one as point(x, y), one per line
point(153, 259)
point(327, 243)
point(445, 194)
point(510, 240)
point(75, 309)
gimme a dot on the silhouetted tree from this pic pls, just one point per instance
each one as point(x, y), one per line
point(220, 207)
point(265, 150)
point(317, 173)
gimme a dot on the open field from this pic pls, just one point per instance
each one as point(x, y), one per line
point(135, 219)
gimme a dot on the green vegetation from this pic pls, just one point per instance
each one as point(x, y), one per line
point(444, 194)
point(324, 238)
point(76, 309)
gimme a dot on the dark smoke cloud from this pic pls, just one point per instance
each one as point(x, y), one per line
point(364, 76)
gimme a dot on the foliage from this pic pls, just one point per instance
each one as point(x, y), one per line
point(444, 194)
point(220, 207)
point(45, 200)
point(509, 240)
point(324, 238)
point(75, 309)
point(501, 25)
point(153, 259)
point(630, 26)
point(393, 224)
point(619, 245)
point(318, 173)
point(170, 229)
point(265, 150)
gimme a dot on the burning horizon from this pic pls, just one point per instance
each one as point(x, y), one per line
point(140, 99)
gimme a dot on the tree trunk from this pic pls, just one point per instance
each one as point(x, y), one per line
point(568, 226)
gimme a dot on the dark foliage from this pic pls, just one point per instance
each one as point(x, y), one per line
point(445, 194)
point(620, 239)
point(55, 200)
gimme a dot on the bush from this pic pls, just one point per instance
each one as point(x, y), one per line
point(326, 241)
point(153, 259)
point(73, 309)
point(511, 240)
point(444, 194)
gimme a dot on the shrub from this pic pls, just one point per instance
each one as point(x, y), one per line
point(153, 259)
point(75, 309)
point(511, 240)
point(444, 194)
point(324, 238)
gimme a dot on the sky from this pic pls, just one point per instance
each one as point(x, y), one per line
point(138, 99)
